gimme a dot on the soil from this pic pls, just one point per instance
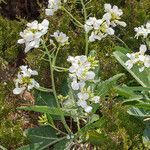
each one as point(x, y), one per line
point(27, 9)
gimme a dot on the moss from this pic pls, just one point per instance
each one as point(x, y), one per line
point(9, 34)
point(11, 131)
point(123, 131)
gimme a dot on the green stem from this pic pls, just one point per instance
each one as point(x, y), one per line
point(86, 34)
point(55, 57)
point(54, 88)
point(78, 22)
point(54, 142)
point(78, 124)
point(55, 95)
point(62, 68)
point(126, 46)
point(57, 129)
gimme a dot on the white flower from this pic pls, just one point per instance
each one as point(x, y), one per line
point(24, 80)
point(27, 72)
point(113, 15)
point(53, 6)
point(82, 103)
point(100, 29)
point(31, 36)
point(90, 75)
point(143, 49)
point(92, 23)
point(18, 90)
point(75, 85)
point(88, 109)
point(80, 73)
point(143, 30)
point(139, 58)
point(60, 37)
point(96, 99)
point(96, 36)
point(148, 25)
point(83, 96)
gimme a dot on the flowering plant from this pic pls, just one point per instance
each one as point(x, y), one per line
point(85, 92)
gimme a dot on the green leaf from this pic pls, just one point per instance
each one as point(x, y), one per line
point(104, 87)
point(131, 102)
point(145, 106)
point(126, 92)
point(34, 146)
point(96, 138)
point(2, 148)
point(63, 145)
point(137, 88)
point(122, 49)
point(44, 109)
point(64, 89)
point(41, 134)
point(142, 78)
point(44, 99)
point(146, 136)
point(94, 118)
point(95, 125)
point(40, 138)
point(138, 112)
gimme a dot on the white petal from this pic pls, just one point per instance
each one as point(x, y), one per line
point(18, 90)
point(21, 41)
point(75, 85)
point(49, 12)
point(143, 49)
point(88, 109)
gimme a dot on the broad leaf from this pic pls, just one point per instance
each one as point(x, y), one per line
point(138, 112)
point(122, 49)
point(63, 145)
point(96, 138)
point(141, 77)
point(40, 138)
point(44, 109)
point(95, 125)
point(145, 106)
point(44, 99)
point(104, 87)
point(146, 136)
point(126, 92)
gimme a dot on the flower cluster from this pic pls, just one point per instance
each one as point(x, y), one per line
point(102, 27)
point(25, 81)
point(53, 6)
point(139, 58)
point(143, 31)
point(86, 97)
point(60, 37)
point(80, 72)
point(31, 36)
point(113, 15)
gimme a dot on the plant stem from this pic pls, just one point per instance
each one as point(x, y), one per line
point(126, 46)
point(78, 124)
point(57, 129)
point(54, 142)
point(86, 34)
point(55, 95)
point(53, 85)
point(57, 51)
point(78, 22)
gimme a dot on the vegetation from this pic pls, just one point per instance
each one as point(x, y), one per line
point(120, 121)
